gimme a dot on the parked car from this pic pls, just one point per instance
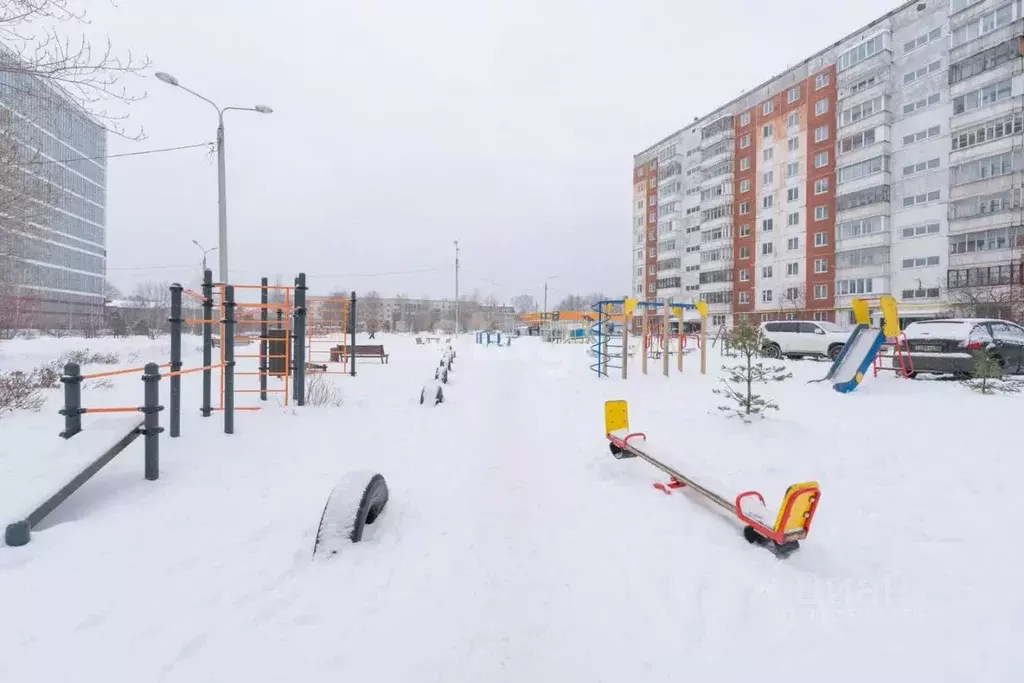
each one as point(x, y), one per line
point(945, 346)
point(799, 338)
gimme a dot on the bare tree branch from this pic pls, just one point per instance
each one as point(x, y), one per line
point(38, 47)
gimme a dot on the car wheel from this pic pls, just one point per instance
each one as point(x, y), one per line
point(834, 352)
point(771, 351)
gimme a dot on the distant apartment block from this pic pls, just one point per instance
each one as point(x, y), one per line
point(53, 253)
point(891, 162)
point(404, 315)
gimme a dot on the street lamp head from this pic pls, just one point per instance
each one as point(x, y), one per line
point(166, 78)
point(263, 109)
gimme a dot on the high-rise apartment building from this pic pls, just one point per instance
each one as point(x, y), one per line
point(52, 204)
point(891, 162)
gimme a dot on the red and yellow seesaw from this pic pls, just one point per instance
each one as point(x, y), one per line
point(792, 523)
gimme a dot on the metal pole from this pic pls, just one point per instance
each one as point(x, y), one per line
point(72, 410)
point(227, 342)
point(175, 321)
point(222, 201)
point(352, 333)
point(151, 420)
point(264, 333)
point(299, 352)
point(544, 317)
point(457, 329)
point(206, 408)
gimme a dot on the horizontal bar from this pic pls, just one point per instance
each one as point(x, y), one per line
point(262, 287)
point(260, 391)
point(287, 306)
point(200, 321)
point(249, 408)
point(112, 373)
point(189, 371)
point(112, 410)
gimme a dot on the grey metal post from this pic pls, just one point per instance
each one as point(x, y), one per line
point(264, 332)
point(151, 420)
point(175, 321)
point(228, 342)
point(207, 409)
point(222, 200)
point(72, 410)
point(299, 349)
point(352, 333)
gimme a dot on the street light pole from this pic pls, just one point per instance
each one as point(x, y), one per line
point(456, 287)
point(222, 207)
point(205, 252)
point(545, 325)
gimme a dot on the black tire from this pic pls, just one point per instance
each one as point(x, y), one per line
point(834, 351)
point(911, 375)
point(771, 351)
point(345, 516)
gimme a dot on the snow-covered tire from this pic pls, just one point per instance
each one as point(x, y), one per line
point(356, 500)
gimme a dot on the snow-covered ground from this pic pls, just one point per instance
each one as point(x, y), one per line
point(514, 547)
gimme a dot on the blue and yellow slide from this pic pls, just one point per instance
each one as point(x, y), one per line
point(860, 350)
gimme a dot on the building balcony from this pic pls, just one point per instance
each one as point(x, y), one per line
point(874, 239)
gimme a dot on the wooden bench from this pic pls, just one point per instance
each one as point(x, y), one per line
point(341, 353)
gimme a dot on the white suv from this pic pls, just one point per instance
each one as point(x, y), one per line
point(798, 338)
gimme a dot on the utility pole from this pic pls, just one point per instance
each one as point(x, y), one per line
point(457, 330)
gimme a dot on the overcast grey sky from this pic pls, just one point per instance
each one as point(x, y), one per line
point(399, 126)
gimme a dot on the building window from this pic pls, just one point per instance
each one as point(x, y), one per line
point(793, 120)
point(793, 194)
point(766, 272)
point(793, 268)
point(744, 208)
point(745, 118)
point(744, 163)
point(821, 213)
point(766, 201)
point(766, 108)
point(924, 198)
point(766, 296)
point(793, 144)
point(820, 265)
point(820, 107)
point(820, 291)
point(745, 230)
point(767, 178)
point(983, 97)
point(921, 230)
point(744, 252)
point(821, 239)
point(820, 81)
point(744, 275)
point(922, 262)
point(794, 219)
point(767, 225)
point(792, 169)
point(744, 186)
point(793, 243)
point(744, 297)
point(821, 133)
point(821, 159)
point(793, 95)
point(821, 186)
point(766, 154)
point(766, 249)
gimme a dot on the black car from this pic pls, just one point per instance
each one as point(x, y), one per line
point(945, 346)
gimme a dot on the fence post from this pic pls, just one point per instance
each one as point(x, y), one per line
point(207, 409)
point(299, 350)
point(227, 340)
point(352, 332)
point(151, 420)
point(175, 321)
point(264, 333)
point(72, 410)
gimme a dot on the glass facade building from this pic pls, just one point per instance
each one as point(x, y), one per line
point(53, 182)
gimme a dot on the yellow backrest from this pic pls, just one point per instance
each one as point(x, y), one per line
point(890, 316)
point(800, 499)
point(861, 311)
point(616, 416)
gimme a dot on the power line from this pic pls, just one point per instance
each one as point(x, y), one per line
point(116, 156)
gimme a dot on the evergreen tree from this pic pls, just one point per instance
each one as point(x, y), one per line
point(745, 341)
point(987, 375)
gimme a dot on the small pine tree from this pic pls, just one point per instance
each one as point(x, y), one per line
point(745, 341)
point(987, 375)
